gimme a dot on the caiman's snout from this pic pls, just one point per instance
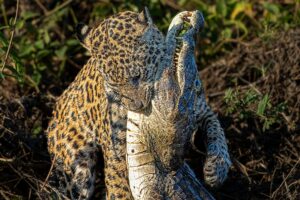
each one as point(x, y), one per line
point(176, 90)
point(156, 140)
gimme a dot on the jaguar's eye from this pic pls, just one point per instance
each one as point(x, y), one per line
point(135, 80)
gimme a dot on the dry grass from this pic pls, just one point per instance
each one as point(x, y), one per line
point(266, 163)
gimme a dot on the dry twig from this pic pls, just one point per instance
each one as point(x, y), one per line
point(284, 180)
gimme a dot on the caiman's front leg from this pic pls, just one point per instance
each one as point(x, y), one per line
point(217, 162)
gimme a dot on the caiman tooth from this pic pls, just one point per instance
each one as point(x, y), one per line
point(177, 50)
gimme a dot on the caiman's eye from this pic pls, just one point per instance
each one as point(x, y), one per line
point(135, 80)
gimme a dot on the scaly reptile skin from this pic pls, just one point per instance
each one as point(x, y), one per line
point(158, 136)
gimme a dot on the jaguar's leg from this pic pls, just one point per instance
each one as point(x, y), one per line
point(58, 180)
point(218, 162)
point(83, 173)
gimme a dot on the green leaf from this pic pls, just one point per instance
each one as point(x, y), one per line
point(226, 33)
point(11, 22)
point(72, 42)
point(182, 2)
point(250, 97)
point(3, 40)
point(36, 77)
point(221, 8)
point(238, 24)
point(271, 7)
point(241, 7)
point(28, 14)
point(262, 105)
point(14, 55)
point(55, 44)
point(2, 75)
point(61, 52)
point(43, 53)
point(46, 37)
point(20, 24)
point(26, 50)
point(228, 95)
point(39, 44)
point(268, 123)
point(62, 67)
point(41, 66)
point(37, 130)
point(20, 68)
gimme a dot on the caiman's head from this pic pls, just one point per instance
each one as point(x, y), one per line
point(172, 119)
point(178, 87)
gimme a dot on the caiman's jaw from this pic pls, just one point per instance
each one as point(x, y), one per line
point(156, 140)
point(179, 25)
point(185, 24)
point(177, 86)
point(177, 52)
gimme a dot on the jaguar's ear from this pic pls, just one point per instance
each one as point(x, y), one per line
point(145, 17)
point(82, 33)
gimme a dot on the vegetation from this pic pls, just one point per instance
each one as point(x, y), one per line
point(249, 56)
point(43, 40)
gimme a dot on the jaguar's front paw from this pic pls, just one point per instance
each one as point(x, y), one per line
point(216, 168)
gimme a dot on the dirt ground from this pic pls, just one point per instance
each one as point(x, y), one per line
point(265, 163)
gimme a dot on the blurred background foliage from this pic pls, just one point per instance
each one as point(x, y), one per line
point(43, 31)
point(40, 52)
